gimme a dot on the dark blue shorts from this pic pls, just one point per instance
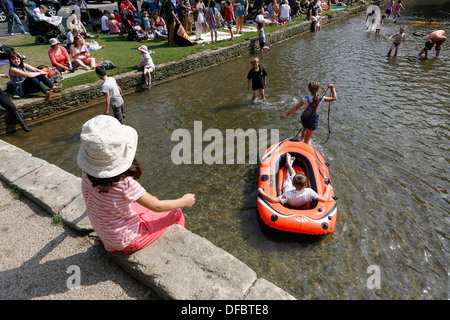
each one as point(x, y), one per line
point(310, 123)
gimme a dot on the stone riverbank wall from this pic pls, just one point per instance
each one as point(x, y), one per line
point(178, 265)
point(37, 110)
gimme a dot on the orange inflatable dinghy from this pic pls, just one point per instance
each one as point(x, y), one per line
point(316, 217)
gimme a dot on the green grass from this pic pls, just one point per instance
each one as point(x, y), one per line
point(57, 220)
point(122, 53)
point(16, 192)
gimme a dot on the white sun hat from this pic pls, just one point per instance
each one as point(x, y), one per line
point(107, 147)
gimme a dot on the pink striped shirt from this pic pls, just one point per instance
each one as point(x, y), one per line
point(110, 213)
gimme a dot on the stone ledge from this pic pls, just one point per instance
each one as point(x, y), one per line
point(178, 265)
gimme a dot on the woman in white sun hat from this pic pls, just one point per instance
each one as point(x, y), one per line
point(122, 213)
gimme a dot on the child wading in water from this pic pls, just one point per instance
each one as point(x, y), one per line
point(258, 77)
point(262, 37)
point(398, 7)
point(310, 116)
point(148, 65)
point(380, 23)
point(295, 193)
point(113, 94)
point(398, 39)
point(122, 213)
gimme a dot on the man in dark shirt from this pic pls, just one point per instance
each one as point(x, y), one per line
point(171, 20)
point(312, 9)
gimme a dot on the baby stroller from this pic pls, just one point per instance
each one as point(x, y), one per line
point(92, 16)
point(133, 29)
point(43, 31)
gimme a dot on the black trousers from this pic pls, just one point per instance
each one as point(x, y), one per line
point(9, 106)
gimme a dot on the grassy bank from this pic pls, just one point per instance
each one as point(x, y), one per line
point(122, 53)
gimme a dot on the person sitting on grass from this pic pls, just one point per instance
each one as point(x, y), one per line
point(60, 58)
point(114, 25)
point(80, 53)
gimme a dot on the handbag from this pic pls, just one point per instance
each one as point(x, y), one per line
point(200, 17)
point(94, 45)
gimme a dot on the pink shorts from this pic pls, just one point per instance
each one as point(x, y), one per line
point(152, 225)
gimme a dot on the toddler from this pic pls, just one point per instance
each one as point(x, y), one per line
point(398, 39)
point(148, 65)
point(125, 217)
point(295, 193)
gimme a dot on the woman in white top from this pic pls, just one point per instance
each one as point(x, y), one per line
point(80, 53)
point(285, 11)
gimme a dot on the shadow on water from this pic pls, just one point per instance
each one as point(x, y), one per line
point(388, 152)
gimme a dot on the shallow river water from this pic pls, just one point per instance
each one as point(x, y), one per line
point(388, 150)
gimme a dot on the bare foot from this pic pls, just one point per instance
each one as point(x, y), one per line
point(49, 93)
point(289, 159)
point(56, 88)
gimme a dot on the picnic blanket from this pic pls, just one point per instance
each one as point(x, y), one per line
point(76, 73)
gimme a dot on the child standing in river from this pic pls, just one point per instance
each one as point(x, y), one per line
point(258, 77)
point(113, 94)
point(398, 39)
point(312, 103)
point(380, 23)
point(398, 7)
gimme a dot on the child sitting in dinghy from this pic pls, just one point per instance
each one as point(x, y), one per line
point(295, 193)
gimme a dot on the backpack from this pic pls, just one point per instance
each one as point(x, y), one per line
point(53, 74)
point(107, 64)
point(5, 51)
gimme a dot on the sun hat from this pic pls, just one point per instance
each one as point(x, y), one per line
point(53, 41)
point(143, 48)
point(107, 147)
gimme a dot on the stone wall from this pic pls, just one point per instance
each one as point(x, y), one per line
point(178, 265)
point(36, 110)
